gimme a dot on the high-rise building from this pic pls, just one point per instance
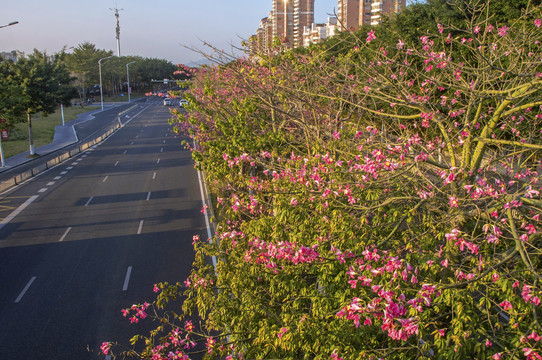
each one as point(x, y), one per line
point(385, 7)
point(283, 21)
point(355, 13)
point(303, 16)
point(348, 14)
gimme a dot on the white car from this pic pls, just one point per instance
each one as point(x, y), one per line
point(167, 102)
point(183, 103)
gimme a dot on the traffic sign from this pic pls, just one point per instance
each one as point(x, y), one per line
point(5, 134)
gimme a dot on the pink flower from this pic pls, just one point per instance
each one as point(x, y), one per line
point(442, 332)
point(497, 356)
point(210, 343)
point(506, 305)
point(452, 201)
point(106, 346)
point(503, 31)
point(371, 36)
point(488, 343)
point(282, 331)
point(538, 23)
point(293, 202)
point(155, 288)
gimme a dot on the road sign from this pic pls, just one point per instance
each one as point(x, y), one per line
point(5, 134)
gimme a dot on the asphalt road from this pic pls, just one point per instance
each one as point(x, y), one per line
point(91, 237)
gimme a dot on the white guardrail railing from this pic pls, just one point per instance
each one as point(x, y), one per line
point(25, 175)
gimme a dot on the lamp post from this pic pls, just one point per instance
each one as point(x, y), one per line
point(128, 79)
point(11, 23)
point(100, 71)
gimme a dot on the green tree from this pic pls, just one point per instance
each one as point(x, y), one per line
point(83, 64)
point(45, 84)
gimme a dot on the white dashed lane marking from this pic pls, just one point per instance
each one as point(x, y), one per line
point(25, 290)
point(89, 200)
point(65, 234)
point(127, 278)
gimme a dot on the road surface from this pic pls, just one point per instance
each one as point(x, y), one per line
point(91, 237)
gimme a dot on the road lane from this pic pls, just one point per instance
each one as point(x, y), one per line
point(78, 238)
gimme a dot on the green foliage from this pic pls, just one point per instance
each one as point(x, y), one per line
point(375, 198)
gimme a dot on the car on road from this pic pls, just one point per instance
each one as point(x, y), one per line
point(167, 102)
point(183, 102)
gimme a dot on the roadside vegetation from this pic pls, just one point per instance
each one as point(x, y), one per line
point(376, 197)
point(44, 130)
point(36, 85)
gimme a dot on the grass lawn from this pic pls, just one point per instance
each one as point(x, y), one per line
point(43, 130)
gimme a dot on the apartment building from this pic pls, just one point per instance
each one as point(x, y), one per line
point(315, 33)
point(348, 14)
point(291, 21)
point(355, 13)
point(385, 7)
point(283, 21)
point(303, 16)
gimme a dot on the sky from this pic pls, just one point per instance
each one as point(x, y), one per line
point(153, 29)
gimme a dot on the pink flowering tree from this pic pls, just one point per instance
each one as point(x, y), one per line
point(381, 204)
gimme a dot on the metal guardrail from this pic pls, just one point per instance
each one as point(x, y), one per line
point(25, 175)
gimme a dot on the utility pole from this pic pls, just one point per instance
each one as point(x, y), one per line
point(116, 10)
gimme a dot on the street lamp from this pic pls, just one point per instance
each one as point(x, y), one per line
point(11, 23)
point(100, 71)
point(128, 79)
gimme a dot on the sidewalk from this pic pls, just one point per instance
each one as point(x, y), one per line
point(64, 135)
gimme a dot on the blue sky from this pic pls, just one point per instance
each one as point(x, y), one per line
point(156, 28)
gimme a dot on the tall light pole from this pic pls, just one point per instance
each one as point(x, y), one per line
point(100, 71)
point(128, 79)
point(11, 23)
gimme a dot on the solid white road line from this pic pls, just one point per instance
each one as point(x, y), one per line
point(16, 212)
point(89, 200)
point(65, 233)
point(207, 223)
point(25, 290)
point(127, 278)
point(140, 227)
